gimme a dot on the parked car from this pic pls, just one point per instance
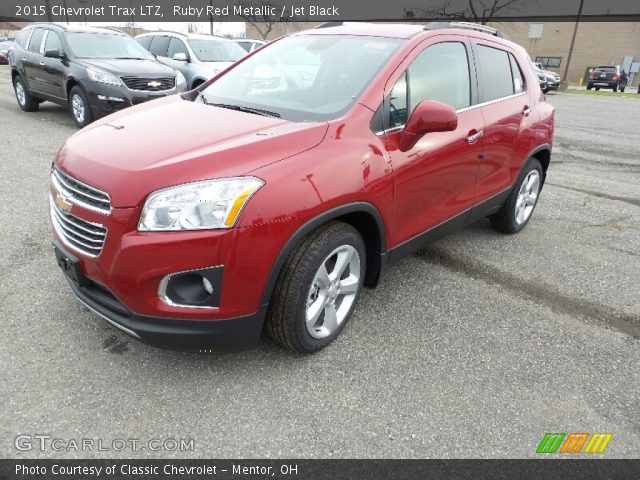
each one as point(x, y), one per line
point(274, 208)
point(249, 45)
point(552, 78)
point(95, 71)
point(608, 77)
point(4, 51)
point(543, 78)
point(197, 57)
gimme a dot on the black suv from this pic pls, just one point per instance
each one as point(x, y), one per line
point(95, 71)
point(608, 77)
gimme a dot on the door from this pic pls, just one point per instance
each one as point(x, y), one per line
point(434, 180)
point(506, 107)
point(177, 46)
point(53, 69)
point(32, 61)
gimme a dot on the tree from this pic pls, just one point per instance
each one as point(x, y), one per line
point(477, 11)
point(257, 15)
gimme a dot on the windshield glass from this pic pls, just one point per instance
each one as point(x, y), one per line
point(216, 50)
point(306, 77)
point(100, 45)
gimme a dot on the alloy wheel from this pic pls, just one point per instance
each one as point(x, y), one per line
point(20, 94)
point(77, 106)
point(527, 197)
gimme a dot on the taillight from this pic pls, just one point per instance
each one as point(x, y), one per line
point(592, 74)
point(616, 76)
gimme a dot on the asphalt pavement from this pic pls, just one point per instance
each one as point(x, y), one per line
point(475, 347)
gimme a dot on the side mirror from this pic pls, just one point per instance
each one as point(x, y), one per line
point(180, 57)
point(428, 116)
point(53, 54)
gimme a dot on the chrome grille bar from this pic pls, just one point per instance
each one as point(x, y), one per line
point(82, 236)
point(80, 193)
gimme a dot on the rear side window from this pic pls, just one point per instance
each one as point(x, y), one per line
point(159, 46)
point(144, 41)
point(23, 38)
point(177, 46)
point(441, 73)
point(36, 40)
point(495, 76)
point(518, 78)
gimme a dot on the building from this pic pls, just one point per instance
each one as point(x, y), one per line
point(597, 43)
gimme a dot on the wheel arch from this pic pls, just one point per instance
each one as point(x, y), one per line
point(542, 153)
point(364, 217)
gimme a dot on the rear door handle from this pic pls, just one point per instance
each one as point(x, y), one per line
point(526, 111)
point(474, 136)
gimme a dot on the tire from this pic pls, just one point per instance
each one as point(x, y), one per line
point(24, 98)
point(615, 88)
point(302, 289)
point(622, 89)
point(589, 86)
point(513, 216)
point(79, 106)
point(597, 89)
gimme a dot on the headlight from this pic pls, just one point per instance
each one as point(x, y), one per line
point(198, 206)
point(180, 80)
point(103, 77)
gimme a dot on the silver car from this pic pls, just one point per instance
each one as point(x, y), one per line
point(198, 57)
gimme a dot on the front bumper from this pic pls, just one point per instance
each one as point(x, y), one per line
point(105, 99)
point(230, 334)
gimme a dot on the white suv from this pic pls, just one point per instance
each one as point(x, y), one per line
point(198, 57)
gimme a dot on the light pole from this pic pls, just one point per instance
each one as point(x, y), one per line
point(573, 41)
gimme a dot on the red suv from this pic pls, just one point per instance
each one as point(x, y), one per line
point(269, 196)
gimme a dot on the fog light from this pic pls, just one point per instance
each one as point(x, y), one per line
point(206, 284)
point(193, 288)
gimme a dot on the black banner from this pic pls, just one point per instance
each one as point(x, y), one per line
point(312, 10)
point(319, 469)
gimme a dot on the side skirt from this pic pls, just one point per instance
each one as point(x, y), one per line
point(467, 217)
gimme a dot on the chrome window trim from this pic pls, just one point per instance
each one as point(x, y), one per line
point(162, 289)
point(462, 110)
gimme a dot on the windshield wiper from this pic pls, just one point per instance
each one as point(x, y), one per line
point(240, 108)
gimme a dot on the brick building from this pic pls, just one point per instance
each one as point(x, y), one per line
point(597, 43)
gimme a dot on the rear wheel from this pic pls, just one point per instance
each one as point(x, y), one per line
point(79, 106)
point(614, 87)
point(317, 289)
point(24, 98)
point(517, 210)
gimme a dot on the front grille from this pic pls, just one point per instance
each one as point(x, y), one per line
point(149, 84)
point(80, 193)
point(80, 235)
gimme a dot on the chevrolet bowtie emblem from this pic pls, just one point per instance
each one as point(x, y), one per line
point(154, 84)
point(63, 204)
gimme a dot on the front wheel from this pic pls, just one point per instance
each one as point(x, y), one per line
point(79, 106)
point(317, 289)
point(519, 206)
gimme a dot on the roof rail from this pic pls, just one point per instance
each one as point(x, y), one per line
point(467, 25)
point(329, 24)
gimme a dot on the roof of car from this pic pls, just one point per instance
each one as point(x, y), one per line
point(389, 30)
point(79, 28)
point(196, 36)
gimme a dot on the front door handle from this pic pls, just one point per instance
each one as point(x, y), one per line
point(474, 136)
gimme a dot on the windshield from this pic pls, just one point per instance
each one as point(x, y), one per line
point(606, 69)
point(305, 77)
point(216, 50)
point(101, 45)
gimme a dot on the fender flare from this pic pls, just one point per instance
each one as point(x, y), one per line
point(313, 224)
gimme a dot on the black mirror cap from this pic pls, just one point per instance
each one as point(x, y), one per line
point(54, 54)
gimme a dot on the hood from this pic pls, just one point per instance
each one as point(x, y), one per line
point(171, 141)
point(129, 67)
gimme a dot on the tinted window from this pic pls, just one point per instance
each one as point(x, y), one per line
point(36, 40)
point(245, 45)
point(144, 41)
point(606, 69)
point(518, 78)
point(441, 73)
point(23, 38)
point(495, 79)
point(159, 46)
point(104, 45)
point(53, 42)
point(177, 46)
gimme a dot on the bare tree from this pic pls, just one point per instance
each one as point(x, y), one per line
point(477, 11)
point(262, 21)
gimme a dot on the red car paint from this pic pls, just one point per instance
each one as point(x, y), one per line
point(308, 169)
